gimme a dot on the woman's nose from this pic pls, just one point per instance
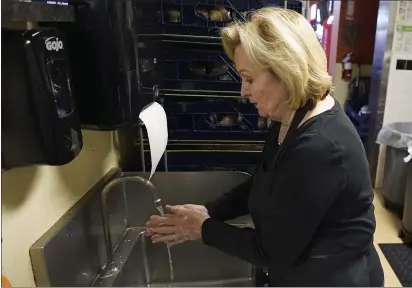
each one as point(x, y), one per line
point(244, 92)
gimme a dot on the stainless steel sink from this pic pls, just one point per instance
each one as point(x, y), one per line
point(73, 251)
point(143, 264)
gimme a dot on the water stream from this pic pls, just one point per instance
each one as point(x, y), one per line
point(159, 207)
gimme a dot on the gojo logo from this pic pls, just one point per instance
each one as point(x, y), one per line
point(54, 44)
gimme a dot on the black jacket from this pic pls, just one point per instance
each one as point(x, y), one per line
point(311, 203)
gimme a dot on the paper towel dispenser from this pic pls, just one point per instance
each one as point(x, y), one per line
point(104, 54)
point(40, 123)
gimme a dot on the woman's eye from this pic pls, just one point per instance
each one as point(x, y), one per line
point(249, 81)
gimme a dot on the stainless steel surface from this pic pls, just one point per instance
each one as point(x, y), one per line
point(223, 142)
point(379, 78)
point(335, 35)
point(165, 161)
point(200, 91)
point(213, 142)
point(72, 252)
point(178, 188)
point(112, 267)
point(180, 36)
point(203, 95)
point(212, 151)
point(144, 264)
point(141, 141)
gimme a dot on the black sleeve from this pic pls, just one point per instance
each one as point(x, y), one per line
point(306, 184)
point(235, 203)
point(232, 204)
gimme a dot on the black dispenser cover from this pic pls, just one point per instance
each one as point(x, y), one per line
point(103, 48)
point(40, 123)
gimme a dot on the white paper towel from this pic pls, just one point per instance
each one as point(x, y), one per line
point(155, 121)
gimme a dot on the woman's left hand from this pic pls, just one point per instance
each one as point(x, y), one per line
point(184, 222)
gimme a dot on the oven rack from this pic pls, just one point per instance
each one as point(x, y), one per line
point(206, 106)
point(198, 18)
point(184, 65)
point(199, 127)
point(187, 70)
point(214, 120)
point(211, 160)
point(199, 70)
point(195, 156)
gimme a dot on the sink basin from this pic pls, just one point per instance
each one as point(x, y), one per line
point(195, 265)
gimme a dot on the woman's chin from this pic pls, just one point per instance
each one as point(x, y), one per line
point(262, 113)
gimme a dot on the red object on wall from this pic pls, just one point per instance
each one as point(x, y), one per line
point(326, 39)
point(363, 15)
point(347, 67)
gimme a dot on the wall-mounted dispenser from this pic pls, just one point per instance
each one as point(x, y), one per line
point(104, 49)
point(40, 123)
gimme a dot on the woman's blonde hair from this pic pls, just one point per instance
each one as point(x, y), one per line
point(284, 42)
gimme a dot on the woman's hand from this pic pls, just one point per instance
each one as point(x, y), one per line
point(184, 222)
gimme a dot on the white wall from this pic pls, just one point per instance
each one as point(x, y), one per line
point(34, 198)
point(398, 107)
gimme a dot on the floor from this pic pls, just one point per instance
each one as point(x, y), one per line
point(387, 229)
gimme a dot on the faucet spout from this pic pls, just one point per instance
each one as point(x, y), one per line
point(112, 267)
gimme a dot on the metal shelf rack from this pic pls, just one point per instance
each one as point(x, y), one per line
point(180, 56)
point(200, 17)
point(215, 120)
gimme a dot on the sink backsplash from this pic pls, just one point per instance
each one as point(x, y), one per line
point(72, 251)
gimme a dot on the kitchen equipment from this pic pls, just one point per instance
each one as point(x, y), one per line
point(214, 13)
point(209, 68)
point(228, 120)
point(40, 122)
point(225, 120)
point(196, 67)
point(219, 14)
point(203, 12)
point(174, 16)
point(195, 72)
point(127, 53)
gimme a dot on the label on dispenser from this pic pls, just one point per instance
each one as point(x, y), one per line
point(53, 2)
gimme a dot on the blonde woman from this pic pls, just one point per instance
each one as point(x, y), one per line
point(311, 196)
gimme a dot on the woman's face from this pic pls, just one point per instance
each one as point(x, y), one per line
point(261, 87)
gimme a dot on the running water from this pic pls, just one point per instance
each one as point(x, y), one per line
point(159, 207)
point(171, 269)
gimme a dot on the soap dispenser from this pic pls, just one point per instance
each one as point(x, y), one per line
point(40, 123)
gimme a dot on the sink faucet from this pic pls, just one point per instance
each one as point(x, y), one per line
point(112, 268)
